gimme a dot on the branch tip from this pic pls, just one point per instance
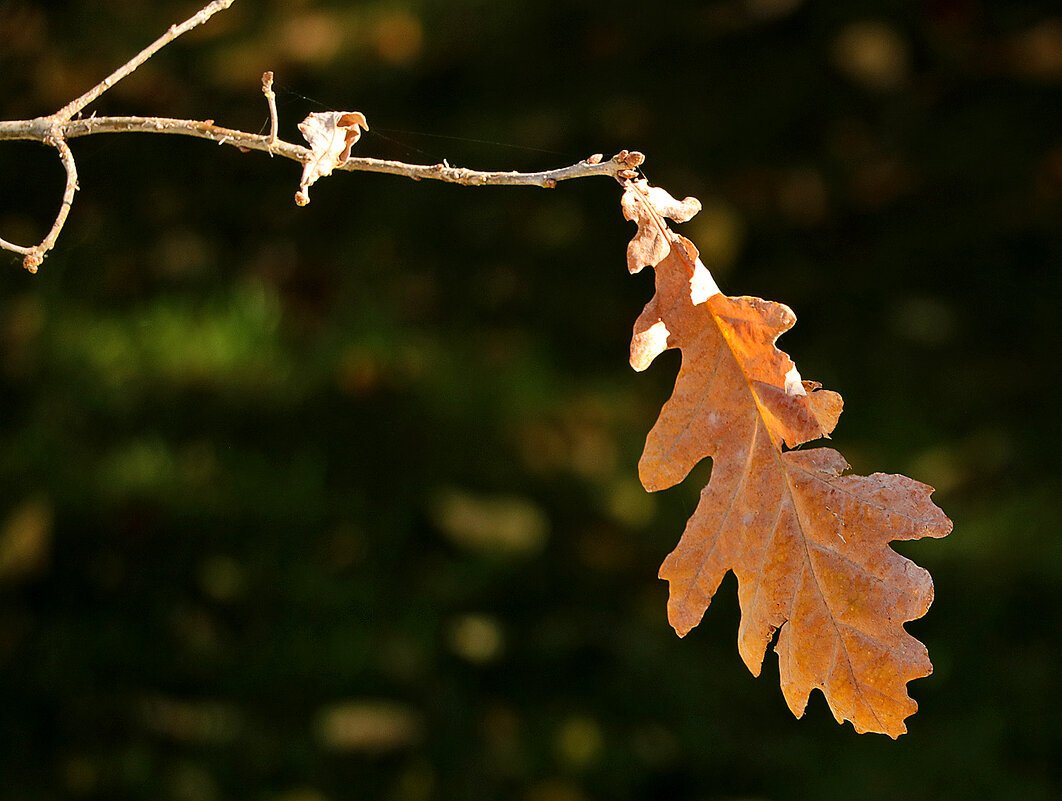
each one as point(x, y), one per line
point(271, 100)
point(32, 262)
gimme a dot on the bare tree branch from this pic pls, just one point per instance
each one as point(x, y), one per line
point(620, 166)
point(57, 128)
point(614, 167)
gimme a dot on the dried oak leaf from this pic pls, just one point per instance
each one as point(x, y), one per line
point(330, 134)
point(809, 545)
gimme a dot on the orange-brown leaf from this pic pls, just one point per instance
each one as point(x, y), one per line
point(809, 545)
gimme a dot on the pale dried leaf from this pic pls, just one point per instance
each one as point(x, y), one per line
point(330, 135)
point(650, 245)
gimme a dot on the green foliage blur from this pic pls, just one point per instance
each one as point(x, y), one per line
point(341, 502)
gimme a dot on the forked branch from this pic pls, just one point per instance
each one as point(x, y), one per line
point(55, 129)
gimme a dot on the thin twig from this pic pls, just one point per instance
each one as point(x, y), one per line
point(33, 260)
point(5, 245)
point(614, 167)
point(35, 254)
point(73, 107)
point(271, 99)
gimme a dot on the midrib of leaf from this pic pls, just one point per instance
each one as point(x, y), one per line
point(809, 565)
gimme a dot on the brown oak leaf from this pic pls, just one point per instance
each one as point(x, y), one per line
point(808, 544)
point(330, 134)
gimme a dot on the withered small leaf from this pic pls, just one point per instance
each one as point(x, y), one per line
point(330, 135)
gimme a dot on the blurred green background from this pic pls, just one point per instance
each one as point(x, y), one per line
point(341, 502)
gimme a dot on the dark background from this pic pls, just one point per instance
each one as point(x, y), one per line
point(340, 502)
